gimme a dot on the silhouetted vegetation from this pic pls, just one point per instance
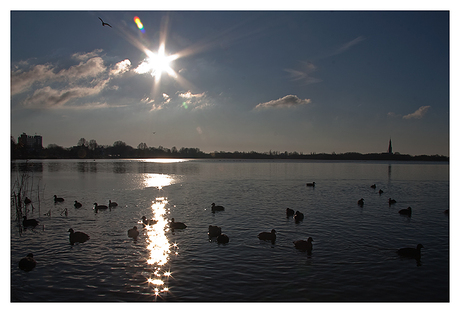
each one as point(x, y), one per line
point(91, 150)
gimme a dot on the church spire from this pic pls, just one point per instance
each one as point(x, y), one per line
point(390, 148)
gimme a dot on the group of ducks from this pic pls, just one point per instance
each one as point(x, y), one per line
point(414, 253)
point(407, 212)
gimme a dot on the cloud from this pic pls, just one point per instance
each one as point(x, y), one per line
point(121, 67)
point(285, 102)
point(192, 101)
point(418, 114)
point(303, 74)
point(349, 44)
point(51, 87)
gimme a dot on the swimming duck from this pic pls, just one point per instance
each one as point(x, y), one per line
point(311, 184)
point(304, 245)
point(147, 222)
point(177, 225)
point(298, 216)
point(223, 238)
point(391, 201)
point(27, 201)
point(289, 212)
point(407, 211)
point(380, 191)
point(77, 204)
point(133, 232)
point(214, 231)
point(100, 207)
point(215, 207)
point(413, 253)
point(267, 235)
point(361, 202)
point(57, 199)
point(77, 236)
point(29, 222)
point(112, 204)
point(373, 186)
point(28, 263)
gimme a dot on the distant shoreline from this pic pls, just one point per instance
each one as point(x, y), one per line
point(262, 156)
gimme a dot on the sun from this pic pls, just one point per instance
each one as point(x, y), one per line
point(158, 63)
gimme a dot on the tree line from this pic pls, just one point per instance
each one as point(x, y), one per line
point(92, 150)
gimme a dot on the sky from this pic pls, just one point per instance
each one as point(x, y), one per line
point(234, 80)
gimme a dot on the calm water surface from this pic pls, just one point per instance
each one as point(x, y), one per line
point(354, 256)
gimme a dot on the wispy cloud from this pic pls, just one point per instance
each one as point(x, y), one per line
point(348, 45)
point(51, 87)
point(304, 73)
point(288, 101)
point(194, 101)
point(418, 114)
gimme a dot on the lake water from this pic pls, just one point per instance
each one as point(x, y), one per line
point(354, 255)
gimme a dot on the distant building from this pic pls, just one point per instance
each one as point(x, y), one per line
point(30, 142)
point(390, 148)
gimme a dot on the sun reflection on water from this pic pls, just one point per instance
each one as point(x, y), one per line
point(159, 247)
point(158, 180)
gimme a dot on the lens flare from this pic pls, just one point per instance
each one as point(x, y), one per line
point(138, 22)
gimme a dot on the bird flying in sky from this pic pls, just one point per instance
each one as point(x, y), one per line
point(104, 24)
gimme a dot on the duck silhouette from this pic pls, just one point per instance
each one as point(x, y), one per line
point(391, 201)
point(77, 236)
point(289, 212)
point(77, 204)
point(58, 199)
point(215, 207)
point(223, 238)
point(407, 211)
point(298, 216)
point(177, 225)
point(412, 253)
point(133, 232)
point(148, 222)
point(304, 245)
point(104, 23)
point(28, 263)
point(98, 207)
point(214, 231)
point(373, 186)
point(27, 201)
point(361, 202)
point(29, 222)
point(268, 235)
point(311, 184)
point(380, 191)
point(112, 204)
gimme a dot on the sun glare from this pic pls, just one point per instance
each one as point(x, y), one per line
point(158, 63)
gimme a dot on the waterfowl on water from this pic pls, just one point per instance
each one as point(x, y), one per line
point(214, 231)
point(177, 225)
point(77, 204)
point(298, 216)
point(311, 184)
point(380, 191)
point(98, 207)
point(391, 201)
point(29, 222)
point(27, 201)
point(57, 199)
point(373, 186)
point(148, 222)
point(304, 245)
point(267, 235)
point(77, 236)
point(407, 211)
point(223, 238)
point(133, 232)
point(215, 207)
point(413, 253)
point(289, 212)
point(28, 263)
point(361, 202)
point(112, 204)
